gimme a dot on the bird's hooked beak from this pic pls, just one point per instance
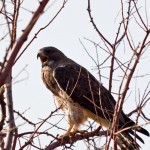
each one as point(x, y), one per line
point(42, 56)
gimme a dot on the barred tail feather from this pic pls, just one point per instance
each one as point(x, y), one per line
point(143, 131)
point(130, 123)
point(136, 135)
point(126, 142)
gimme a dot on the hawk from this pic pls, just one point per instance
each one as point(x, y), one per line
point(82, 96)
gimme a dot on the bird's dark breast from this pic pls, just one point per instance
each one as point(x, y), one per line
point(48, 79)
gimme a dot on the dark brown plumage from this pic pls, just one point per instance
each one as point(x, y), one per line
point(81, 96)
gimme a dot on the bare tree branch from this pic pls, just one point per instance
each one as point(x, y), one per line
point(16, 48)
point(76, 138)
point(10, 120)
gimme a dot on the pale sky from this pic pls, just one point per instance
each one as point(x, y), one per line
point(72, 24)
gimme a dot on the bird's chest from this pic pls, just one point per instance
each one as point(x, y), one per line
point(71, 109)
point(48, 79)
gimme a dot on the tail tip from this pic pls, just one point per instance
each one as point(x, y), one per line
point(144, 131)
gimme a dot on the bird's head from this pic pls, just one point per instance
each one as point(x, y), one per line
point(50, 55)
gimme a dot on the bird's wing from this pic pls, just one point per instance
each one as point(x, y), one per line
point(82, 87)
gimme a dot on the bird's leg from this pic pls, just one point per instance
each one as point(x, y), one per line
point(67, 134)
point(76, 130)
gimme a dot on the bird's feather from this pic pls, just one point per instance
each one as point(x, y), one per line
point(79, 89)
point(84, 89)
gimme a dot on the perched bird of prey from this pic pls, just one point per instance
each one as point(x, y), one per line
point(82, 96)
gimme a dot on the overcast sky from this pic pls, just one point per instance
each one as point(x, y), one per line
point(72, 24)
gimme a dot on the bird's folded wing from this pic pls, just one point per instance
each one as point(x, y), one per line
point(82, 87)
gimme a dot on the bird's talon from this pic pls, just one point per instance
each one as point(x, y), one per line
point(64, 137)
point(72, 134)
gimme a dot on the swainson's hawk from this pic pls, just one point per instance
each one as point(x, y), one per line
point(81, 96)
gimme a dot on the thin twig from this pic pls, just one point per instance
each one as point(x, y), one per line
point(16, 48)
